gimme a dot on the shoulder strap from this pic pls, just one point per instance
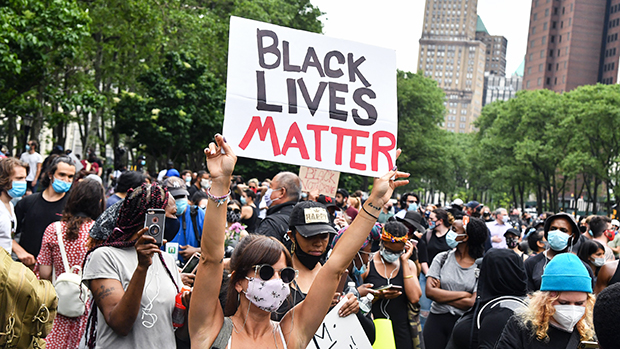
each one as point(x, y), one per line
point(61, 244)
point(193, 213)
point(225, 332)
point(574, 341)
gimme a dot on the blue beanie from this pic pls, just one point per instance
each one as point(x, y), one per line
point(566, 272)
point(173, 173)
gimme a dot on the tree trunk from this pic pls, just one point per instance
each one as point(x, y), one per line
point(539, 199)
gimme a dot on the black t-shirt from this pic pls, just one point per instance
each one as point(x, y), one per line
point(435, 246)
point(34, 214)
point(516, 335)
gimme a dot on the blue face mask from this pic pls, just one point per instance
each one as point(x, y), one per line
point(27, 147)
point(357, 273)
point(413, 206)
point(432, 225)
point(243, 200)
point(451, 239)
point(142, 162)
point(558, 240)
point(181, 206)
point(61, 186)
point(18, 189)
point(389, 256)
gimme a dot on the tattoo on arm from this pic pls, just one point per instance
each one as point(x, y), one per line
point(373, 206)
point(102, 293)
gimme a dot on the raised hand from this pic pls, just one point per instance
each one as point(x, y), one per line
point(220, 163)
point(384, 186)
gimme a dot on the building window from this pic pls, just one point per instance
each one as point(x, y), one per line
point(553, 24)
point(533, 30)
point(550, 67)
point(555, 10)
point(529, 70)
point(543, 40)
point(545, 26)
point(535, 16)
point(550, 53)
point(527, 84)
point(532, 43)
point(546, 12)
point(548, 81)
point(539, 81)
point(552, 38)
point(568, 36)
point(540, 67)
point(542, 53)
point(559, 38)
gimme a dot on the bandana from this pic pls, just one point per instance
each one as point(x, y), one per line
point(385, 236)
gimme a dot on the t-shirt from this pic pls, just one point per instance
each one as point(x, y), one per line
point(7, 226)
point(498, 230)
point(615, 243)
point(435, 245)
point(34, 214)
point(153, 325)
point(112, 200)
point(32, 160)
point(453, 277)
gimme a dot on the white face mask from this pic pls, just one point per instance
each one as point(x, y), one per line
point(567, 316)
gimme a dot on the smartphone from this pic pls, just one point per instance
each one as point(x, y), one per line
point(155, 221)
point(192, 263)
point(589, 345)
point(389, 287)
point(414, 242)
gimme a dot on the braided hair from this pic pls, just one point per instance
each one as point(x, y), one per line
point(130, 220)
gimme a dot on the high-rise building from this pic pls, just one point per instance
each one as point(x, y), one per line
point(572, 43)
point(501, 88)
point(450, 54)
point(496, 50)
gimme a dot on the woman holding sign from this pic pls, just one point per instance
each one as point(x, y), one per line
point(262, 271)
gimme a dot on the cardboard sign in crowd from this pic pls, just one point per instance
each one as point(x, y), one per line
point(306, 99)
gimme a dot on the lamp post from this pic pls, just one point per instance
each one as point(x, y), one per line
point(28, 120)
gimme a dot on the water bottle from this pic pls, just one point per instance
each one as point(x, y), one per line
point(366, 303)
point(352, 289)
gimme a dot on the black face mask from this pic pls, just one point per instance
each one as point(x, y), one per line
point(309, 261)
point(233, 217)
point(512, 242)
point(172, 228)
point(582, 228)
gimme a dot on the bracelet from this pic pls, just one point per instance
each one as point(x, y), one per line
point(408, 277)
point(371, 215)
point(218, 199)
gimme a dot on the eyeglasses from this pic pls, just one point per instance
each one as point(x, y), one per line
point(265, 272)
point(235, 210)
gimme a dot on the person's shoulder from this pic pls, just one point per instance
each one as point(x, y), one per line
point(28, 200)
point(39, 157)
point(534, 259)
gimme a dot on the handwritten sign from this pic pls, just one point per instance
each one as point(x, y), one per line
point(323, 181)
point(339, 332)
point(310, 100)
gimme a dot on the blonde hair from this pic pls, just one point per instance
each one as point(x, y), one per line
point(540, 311)
point(356, 202)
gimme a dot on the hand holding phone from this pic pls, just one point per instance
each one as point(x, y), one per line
point(192, 264)
point(155, 222)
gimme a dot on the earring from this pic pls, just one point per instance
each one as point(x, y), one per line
point(238, 298)
point(293, 247)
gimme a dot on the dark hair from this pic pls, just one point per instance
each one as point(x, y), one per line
point(250, 193)
point(199, 175)
point(185, 172)
point(7, 170)
point(477, 233)
point(534, 238)
point(606, 315)
point(34, 143)
point(252, 250)
point(598, 224)
point(86, 202)
point(129, 180)
point(444, 216)
point(397, 229)
point(405, 197)
point(587, 248)
point(51, 170)
point(234, 202)
point(198, 196)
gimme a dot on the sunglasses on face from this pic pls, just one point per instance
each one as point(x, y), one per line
point(265, 272)
point(235, 210)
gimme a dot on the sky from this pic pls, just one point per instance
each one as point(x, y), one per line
point(397, 24)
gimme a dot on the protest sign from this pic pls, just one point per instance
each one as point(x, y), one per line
point(340, 332)
point(323, 181)
point(306, 99)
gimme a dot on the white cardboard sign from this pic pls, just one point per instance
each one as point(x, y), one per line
point(323, 181)
point(310, 100)
point(340, 332)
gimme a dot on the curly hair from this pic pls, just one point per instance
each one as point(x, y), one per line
point(540, 311)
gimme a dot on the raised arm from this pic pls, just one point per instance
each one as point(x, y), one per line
point(205, 315)
point(310, 313)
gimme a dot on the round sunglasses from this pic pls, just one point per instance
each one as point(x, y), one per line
point(265, 272)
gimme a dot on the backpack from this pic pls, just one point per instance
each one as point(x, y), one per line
point(28, 305)
point(72, 293)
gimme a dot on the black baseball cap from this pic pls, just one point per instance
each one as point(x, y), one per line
point(328, 201)
point(310, 218)
point(343, 192)
point(512, 231)
point(413, 221)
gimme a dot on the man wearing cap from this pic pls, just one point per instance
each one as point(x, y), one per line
point(473, 209)
point(337, 221)
point(498, 227)
point(512, 236)
point(190, 219)
point(284, 193)
point(562, 233)
point(614, 244)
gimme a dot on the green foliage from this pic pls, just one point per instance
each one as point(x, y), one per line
point(181, 103)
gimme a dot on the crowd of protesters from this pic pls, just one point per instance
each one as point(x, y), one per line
point(262, 262)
